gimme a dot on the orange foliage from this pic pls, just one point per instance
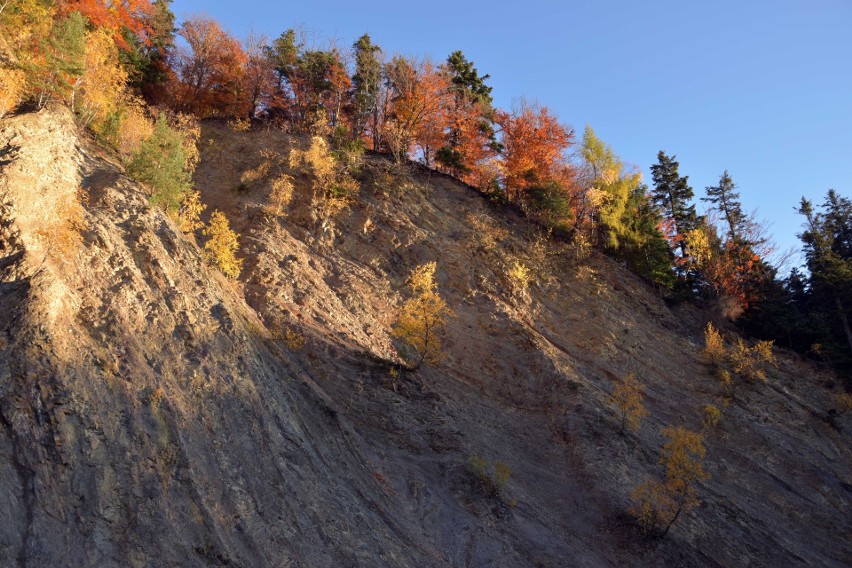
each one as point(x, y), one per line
point(418, 115)
point(131, 15)
point(471, 142)
point(210, 73)
point(535, 149)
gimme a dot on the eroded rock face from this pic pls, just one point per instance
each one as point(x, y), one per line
point(156, 415)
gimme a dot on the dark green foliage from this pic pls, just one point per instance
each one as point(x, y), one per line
point(549, 203)
point(727, 202)
point(365, 86)
point(673, 196)
point(451, 160)
point(147, 62)
point(466, 80)
point(160, 164)
point(643, 246)
point(827, 240)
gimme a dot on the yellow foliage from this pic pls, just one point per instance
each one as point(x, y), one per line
point(187, 125)
point(14, 83)
point(189, 215)
point(520, 275)
point(485, 233)
point(135, 127)
point(747, 362)
point(238, 124)
point(714, 345)
point(712, 416)
point(101, 85)
point(222, 246)
point(627, 397)
point(282, 194)
point(421, 318)
point(657, 505)
point(63, 236)
point(319, 159)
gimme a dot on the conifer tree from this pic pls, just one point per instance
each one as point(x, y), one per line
point(673, 195)
point(725, 200)
point(366, 83)
point(828, 252)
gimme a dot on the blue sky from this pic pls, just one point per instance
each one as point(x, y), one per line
point(762, 88)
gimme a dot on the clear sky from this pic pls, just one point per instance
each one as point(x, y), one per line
point(762, 88)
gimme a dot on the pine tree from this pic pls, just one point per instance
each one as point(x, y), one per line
point(828, 253)
point(725, 200)
point(366, 83)
point(673, 195)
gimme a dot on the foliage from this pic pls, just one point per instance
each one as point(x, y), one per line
point(64, 59)
point(714, 345)
point(189, 215)
point(712, 416)
point(744, 361)
point(658, 504)
point(520, 276)
point(100, 88)
point(627, 398)
point(281, 195)
point(161, 164)
point(673, 195)
point(366, 84)
point(209, 71)
point(222, 245)
point(421, 319)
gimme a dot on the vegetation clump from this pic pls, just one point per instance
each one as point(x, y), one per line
point(657, 505)
point(627, 398)
point(421, 319)
point(222, 245)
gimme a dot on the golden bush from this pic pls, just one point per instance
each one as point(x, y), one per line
point(714, 345)
point(627, 398)
point(281, 195)
point(222, 246)
point(14, 83)
point(189, 214)
point(421, 319)
point(658, 504)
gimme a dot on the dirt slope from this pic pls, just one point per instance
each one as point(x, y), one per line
point(153, 414)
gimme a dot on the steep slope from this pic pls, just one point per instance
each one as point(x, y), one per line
point(155, 414)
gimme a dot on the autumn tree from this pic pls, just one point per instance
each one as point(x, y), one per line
point(259, 74)
point(417, 117)
point(320, 86)
point(121, 18)
point(99, 90)
point(222, 245)
point(210, 71)
point(421, 318)
point(64, 59)
point(657, 505)
point(470, 137)
point(537, 172)
point(627, 398)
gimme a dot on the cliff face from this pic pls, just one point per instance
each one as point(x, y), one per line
point(154, 413)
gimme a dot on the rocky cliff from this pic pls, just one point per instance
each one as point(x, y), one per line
point(156, 414)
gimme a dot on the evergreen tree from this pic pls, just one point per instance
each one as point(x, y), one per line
point(727, 202)
point(828, 255)
point(366, 83)
point(466, 80)
point(673, 195)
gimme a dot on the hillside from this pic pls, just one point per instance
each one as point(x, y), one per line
point(155, 413)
